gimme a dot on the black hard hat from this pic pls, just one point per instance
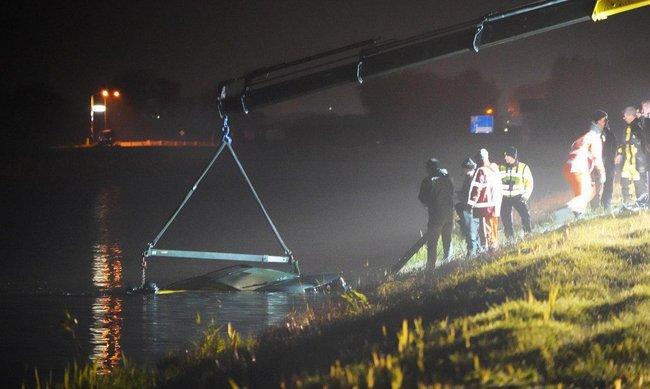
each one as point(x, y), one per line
point(597, 115)
point(433, 164)
point(511, 151)
point(468, 163)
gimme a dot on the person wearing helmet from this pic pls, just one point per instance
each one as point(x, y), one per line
point(517, 186)
point(437, 194)
point(468, 224)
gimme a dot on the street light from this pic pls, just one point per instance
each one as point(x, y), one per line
point(100, 108)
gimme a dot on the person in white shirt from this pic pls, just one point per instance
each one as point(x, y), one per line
point(586, 156)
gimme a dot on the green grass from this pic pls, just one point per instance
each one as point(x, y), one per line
point(568, 307)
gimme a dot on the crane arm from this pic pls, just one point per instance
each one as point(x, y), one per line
point(363, 60)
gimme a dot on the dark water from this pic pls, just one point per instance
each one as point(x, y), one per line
point(141, 328)
point(74, 223)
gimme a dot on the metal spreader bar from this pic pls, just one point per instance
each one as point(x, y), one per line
point(260, 258)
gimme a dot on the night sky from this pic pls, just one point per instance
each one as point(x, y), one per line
point(76, 48)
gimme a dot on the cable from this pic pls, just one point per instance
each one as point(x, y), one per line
point(259, 202)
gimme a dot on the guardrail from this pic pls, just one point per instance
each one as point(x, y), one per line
point(163, 143)
point(144, 143)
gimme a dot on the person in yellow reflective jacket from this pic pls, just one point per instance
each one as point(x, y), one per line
point(631, 156)
point(516, 186)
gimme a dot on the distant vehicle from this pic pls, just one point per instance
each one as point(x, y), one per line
point(106, 138)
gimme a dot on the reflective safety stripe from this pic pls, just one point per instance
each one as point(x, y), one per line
point(488, 195)
point(481, 205)
point(513, 179)
point(479, 185)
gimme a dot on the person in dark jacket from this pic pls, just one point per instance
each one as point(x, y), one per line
point(645, 124)
point(437, 194)
point(610, 147)
point(468, 224)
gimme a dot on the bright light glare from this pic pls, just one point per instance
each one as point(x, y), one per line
point(105, 93)
point(116, 93)
point(99, 108)
point(489, 110)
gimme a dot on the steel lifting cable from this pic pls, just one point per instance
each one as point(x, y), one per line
point(259, 201)
point(189, 194)
point(227, 140)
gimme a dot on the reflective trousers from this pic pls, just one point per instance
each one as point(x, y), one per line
point(582, 188)
point(489, 230)
point(640, 187)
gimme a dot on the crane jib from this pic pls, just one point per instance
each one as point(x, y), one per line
point(359, 62)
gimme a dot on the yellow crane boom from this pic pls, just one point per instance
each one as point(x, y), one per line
point(605, 8)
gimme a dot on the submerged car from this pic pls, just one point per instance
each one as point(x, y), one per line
point(248, 278)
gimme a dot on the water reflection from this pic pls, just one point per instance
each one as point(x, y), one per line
point(106, 330)
point(107, 266)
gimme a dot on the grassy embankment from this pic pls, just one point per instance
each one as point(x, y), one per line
point(568, 307)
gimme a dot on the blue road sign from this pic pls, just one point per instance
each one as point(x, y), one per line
point(481, 124)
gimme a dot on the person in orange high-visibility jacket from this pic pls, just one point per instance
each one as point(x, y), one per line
point(586, 156)
point(485, 199)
